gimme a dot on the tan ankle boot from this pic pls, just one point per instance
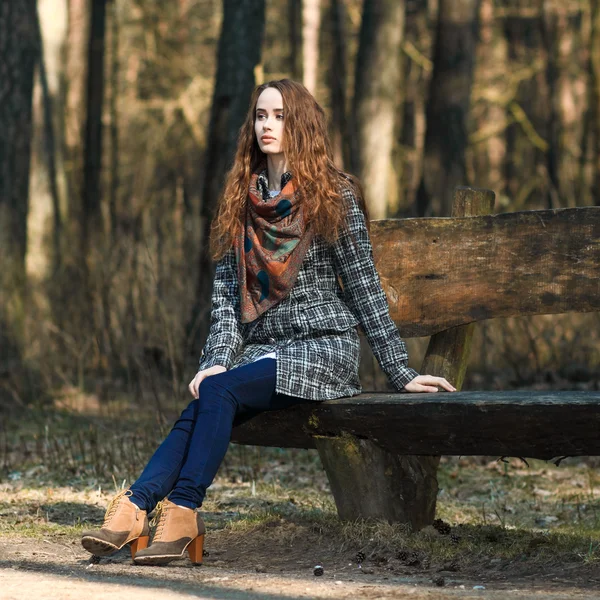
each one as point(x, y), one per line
point(124, 523)
point(177, 529)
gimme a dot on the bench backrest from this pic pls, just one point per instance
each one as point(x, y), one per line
point(443, 272)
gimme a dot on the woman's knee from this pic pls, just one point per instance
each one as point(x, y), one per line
point(215, 392)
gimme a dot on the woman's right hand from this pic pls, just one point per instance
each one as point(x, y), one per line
point(200, 375)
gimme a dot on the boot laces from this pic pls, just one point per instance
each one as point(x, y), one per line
point(159, 519)
point(114, 504)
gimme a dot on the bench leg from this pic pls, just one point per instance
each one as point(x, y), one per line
point(369, 482)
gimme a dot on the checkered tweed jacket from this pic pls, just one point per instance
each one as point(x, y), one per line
point(313, 330)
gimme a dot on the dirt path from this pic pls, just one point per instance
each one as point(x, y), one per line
point(49, 569)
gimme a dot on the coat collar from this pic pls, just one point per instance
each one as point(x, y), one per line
point(262, 182)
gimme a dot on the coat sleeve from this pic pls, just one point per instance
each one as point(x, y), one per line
point(353, 256)
point(224, 336)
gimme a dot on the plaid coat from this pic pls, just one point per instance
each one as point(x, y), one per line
point(314, 329)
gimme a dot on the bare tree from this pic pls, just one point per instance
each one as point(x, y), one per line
point(446, 139)
point(529, 107)
point(489, 115)
point(311, 24)
point(375, 106)
point(338, 84)
point(76, 68)
point(93, 126)
point(19, 51)
point(239, 52)
point(47, 179)
point(565, 41)
point(295, 33)
point(418, 47)
point(595, 101)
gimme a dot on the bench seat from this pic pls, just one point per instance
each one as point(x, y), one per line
point(535, 424)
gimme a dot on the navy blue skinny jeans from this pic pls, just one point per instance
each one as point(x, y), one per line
point(186, 463)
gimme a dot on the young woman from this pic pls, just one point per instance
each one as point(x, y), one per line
point(289, 228)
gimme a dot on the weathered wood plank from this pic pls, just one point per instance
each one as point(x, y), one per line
point(538, 424)
point(444, 272)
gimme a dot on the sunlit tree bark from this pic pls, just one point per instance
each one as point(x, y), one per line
point(76, 69)
point(47, 177)
point(295, 33)
point(376, 94)
point(311, 23)
point(567, 75)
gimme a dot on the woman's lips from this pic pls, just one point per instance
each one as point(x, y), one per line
point(266, 140)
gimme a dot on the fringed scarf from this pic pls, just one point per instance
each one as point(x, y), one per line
point(270, 248)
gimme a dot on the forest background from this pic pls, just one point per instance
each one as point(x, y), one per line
point(118, 119)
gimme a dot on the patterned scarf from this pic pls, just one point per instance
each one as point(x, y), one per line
point(270, 248)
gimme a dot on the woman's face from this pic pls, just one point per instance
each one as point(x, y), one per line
point(268, 121)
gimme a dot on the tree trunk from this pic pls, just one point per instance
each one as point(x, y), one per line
point(487, 150)
point(568, 81)
point(418, 45)
point(446, 140)
point(595, 103)
point(529, 108)
point(47, 180)
point(113, 97)
point(311, 24)
point(295, 33)
point(239, 52)
point(76, 77)
point(377, 84)
point(19, 51)
point(92, 221)
point(338, 84)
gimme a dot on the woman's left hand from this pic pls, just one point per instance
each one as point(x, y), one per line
point(428, 383)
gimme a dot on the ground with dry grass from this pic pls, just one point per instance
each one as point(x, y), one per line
point(504, 529)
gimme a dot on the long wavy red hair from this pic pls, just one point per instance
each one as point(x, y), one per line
point(309, 158)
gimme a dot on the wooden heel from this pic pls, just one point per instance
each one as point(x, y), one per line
point(195, 550)
point(139, 544)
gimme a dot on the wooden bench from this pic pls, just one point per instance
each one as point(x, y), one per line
point(441, 276)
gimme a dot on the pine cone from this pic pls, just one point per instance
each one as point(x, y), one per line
point(409, 557)
point(402, 555)
point(454, 538)
point(360, 557)
point(413, 559)
point(441, 527)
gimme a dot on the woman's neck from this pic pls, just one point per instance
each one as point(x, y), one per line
point(276, 167)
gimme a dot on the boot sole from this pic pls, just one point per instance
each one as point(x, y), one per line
point(160, 559)
point(98, 547)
